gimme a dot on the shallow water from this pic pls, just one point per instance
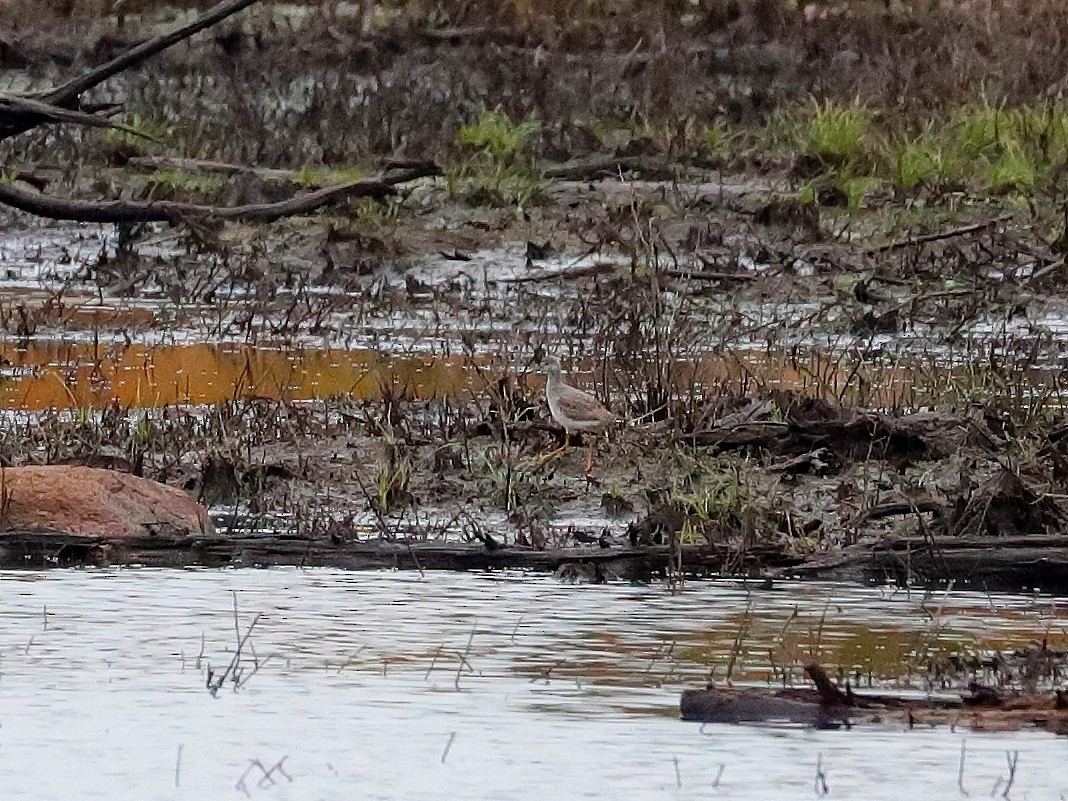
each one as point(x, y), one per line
point(568, 691)
point(87, 348)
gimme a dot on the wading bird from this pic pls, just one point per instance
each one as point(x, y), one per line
point(574, 409)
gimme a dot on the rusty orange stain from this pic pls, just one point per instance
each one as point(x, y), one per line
point(44, 374)
point(52, 374)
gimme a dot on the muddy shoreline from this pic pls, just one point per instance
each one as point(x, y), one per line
point(777, 500)
point(824, 368)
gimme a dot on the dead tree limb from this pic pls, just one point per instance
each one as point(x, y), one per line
point(210, 166)
point(131, 211)
point(924, 239)
point(16, 106)
point(14, 122)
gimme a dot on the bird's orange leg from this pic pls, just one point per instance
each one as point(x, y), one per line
point(589, 457)
point(559, 451)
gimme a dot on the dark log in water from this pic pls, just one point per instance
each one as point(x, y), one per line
point(753, 706)
point(37, 549)
point(993, 563)
point(984, 708)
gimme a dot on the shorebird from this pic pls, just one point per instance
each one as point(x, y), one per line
point(574, 409)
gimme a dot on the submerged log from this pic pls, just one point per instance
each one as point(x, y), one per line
point(37, 548)
point(984, 708)
point(991, 563)
point(711, 705)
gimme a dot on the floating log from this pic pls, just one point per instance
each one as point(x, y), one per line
point(825, 706)
point(712, 705)
point(989, 563)
point(37, 549)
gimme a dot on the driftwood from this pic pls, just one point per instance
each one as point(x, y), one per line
point(847, 433)
point(940, 236)
point(130, 211)
point(984, 708)
point(209, 166)
point(16, 118)
point(39, 549)
point(986, 563)
point(611, 167)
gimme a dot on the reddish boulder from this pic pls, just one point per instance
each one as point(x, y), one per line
point(89, 501)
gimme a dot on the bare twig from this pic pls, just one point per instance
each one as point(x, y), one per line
point(924, 239)
point(821, 777)
point(215, 680)
point(15, 106)
point(1011, 757)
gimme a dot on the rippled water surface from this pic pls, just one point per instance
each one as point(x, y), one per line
point(392, 685)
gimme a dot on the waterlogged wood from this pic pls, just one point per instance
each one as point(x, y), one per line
point(36, 549)
point(992, 563)
point(713, 705)
point(825, 706)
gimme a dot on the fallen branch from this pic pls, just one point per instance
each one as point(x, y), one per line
point(130, 211)
point(15, 106)
point(593, 270)
point(906, 508)
point(604, 168)
point(705, 275)
point(937, 237)
point(1049, 268)
point(208, 166)
point(14, 121)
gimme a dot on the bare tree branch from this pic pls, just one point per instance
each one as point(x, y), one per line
point(20, 105)
point(131, 211)
point(15, 122)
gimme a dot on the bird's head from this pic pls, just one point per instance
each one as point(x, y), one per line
point(551, 364)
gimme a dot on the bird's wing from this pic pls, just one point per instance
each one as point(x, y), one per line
point(579, 405)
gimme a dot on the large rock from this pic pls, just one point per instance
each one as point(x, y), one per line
point(94, 502)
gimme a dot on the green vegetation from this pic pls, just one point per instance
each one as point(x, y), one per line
point(309, 178)
point(494, 168)
point(153, 130)
point(834, 134)
point(186, 182)
point(979, 148)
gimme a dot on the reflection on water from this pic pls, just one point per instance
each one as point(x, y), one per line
point(561, 692)
point(44, 374)
point(54, 374)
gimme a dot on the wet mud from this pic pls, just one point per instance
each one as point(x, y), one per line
point(806, 385)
